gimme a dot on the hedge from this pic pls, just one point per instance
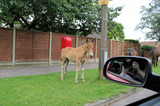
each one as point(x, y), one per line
point(132, 40)
point(146, 47)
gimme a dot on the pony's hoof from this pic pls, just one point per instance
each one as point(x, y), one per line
point(84, 82)
point(76, 83)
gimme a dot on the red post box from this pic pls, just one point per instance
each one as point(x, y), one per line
point(66, 42)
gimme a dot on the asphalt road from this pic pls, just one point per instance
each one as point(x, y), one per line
point(125, 99)
point(133, 97)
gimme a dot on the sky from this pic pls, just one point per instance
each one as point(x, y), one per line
point(130, 17)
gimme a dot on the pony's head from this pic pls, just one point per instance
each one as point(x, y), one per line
point(89, 48)
point(131, 52)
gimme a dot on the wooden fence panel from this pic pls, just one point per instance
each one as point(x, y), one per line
point(117, 48)
point(56, 46)
point(40, 46)
point(6, 43)
point(126, 46)
point(24, 45)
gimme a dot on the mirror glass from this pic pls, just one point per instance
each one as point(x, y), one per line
point(126, 70)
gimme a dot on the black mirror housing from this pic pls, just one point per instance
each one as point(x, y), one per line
point(128, 70)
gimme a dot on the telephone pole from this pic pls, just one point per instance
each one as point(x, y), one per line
point(103, 53)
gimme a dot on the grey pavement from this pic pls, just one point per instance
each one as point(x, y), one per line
point(36, 70)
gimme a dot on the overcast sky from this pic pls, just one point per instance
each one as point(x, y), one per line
point(130, 16)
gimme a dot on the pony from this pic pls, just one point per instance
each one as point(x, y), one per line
point(131, 52)
point(78, 55)
point(155, 53)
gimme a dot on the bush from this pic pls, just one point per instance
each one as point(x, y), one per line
point(132, 41)
point(145, 48)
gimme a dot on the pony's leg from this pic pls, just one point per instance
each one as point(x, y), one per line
point(76, 79)
point(155, 61)
point(65, 71)
point(82, 76)
point(62, 65)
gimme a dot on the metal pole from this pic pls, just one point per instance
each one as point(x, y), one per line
point(14, 45)
point(50, 47)
point(103, 56)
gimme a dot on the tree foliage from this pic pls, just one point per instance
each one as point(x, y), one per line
point(77, 17)
point(150, 20)
point(115, 31)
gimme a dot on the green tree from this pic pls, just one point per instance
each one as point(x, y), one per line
point(150, 20)
point(115, 30)
point(76, 17)
point(26, 14)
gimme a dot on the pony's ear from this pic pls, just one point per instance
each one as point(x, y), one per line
point(86, 40)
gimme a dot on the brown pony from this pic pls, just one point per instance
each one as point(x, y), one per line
point(78, 55)
point(155, 53)
point(131, 52)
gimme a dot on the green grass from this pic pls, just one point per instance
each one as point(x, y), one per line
point(49, 90)
point(156, 69)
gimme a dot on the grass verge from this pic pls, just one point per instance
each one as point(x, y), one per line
point(48, 89)
point(156, 69)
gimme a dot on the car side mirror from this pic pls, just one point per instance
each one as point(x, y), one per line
point(128, 70)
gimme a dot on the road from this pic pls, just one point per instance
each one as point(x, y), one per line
point(124, 99)
point(35, 70)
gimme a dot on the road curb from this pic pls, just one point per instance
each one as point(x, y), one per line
point(109, 101)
